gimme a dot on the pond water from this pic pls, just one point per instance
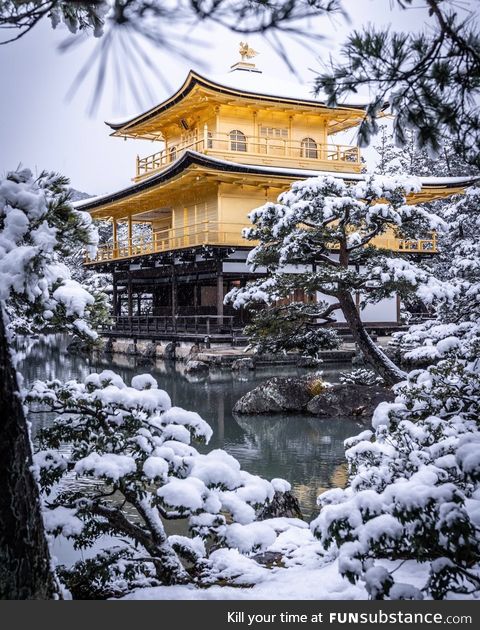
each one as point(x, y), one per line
point(306, 451)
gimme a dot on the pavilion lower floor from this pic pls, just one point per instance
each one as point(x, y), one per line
point(176, 292)
point(170, 296)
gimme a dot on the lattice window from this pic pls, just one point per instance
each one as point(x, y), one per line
point(273, 132)
point(309, 148)
point(238, 140)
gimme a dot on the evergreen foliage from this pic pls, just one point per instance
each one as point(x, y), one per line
point(38, 229)
point(318, 237)
point(414, 489)
point(430, 79)
point(137, 450)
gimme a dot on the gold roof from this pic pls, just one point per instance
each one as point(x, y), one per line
point(238, 88)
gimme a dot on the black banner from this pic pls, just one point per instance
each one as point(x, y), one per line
point(239, 615)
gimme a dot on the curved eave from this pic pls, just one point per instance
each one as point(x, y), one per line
point(431, 188)
point(194, 79)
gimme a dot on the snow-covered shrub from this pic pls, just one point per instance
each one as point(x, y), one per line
point(361, 376)
point(38, 228)
point(414, 490)
point(138, 450)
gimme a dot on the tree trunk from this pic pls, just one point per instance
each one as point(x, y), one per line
point(25, 564)
point(379, 361)
point(168, 567)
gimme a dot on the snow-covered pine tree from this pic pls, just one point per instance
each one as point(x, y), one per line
point(325, 228)
point(405, 160)
point(37, 227)
point(138, 449)
point(38, 230)
point(429, 77)
point(410, 159)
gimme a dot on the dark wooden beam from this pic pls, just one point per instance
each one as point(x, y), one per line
point(174, 292)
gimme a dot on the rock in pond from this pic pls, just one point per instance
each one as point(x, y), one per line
point(79, 347)
point(149, 350)
point(349, 400)
point(308, 362)
point(310, 395)
point(276, 394)
point(283, 504)
point(243, 364)
point(196, 367)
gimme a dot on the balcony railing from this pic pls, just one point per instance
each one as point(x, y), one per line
point(204, 233)
point(215, 233)
point(257, 150)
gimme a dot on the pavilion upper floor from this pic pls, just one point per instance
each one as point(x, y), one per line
point(243, 120)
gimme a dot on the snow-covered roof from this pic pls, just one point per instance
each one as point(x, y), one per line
point(239, 82)
point(194, 158)
point(258, 83)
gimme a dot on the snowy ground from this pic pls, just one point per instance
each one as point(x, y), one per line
point(295, 583)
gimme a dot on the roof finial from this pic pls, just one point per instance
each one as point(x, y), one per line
point(246, 52)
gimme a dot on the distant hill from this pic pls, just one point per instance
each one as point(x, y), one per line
point(78, 195)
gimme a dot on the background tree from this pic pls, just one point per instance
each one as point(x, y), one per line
point(410, 159)
point(457, 312)
point(37, 227)
point(431, 79)
point(326, 227)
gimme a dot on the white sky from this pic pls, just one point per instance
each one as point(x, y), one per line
point(42, 129)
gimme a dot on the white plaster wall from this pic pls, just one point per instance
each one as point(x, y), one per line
point(383, 311)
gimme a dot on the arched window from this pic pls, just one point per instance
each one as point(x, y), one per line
point(238, 141)
point(309, 148)
point(173, 154)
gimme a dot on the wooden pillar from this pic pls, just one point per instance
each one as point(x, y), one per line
point(114, 296)
point(205, 137)
point(195, 295)
point(130, 234)
point(165, 151)
point(220, 290)
point(139, 303)
point(115, 237)
point(290, 137)
point(130, 296)
point(174, 292)
point(221, 146)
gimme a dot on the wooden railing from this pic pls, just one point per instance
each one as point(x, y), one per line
point(251, 147)
point(419, 246)
point(153, 325)
point(204, 233)
point(215, 233)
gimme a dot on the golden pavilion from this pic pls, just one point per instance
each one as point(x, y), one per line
point(225, 146)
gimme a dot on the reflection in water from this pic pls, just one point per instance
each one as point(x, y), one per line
point(306, 451)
